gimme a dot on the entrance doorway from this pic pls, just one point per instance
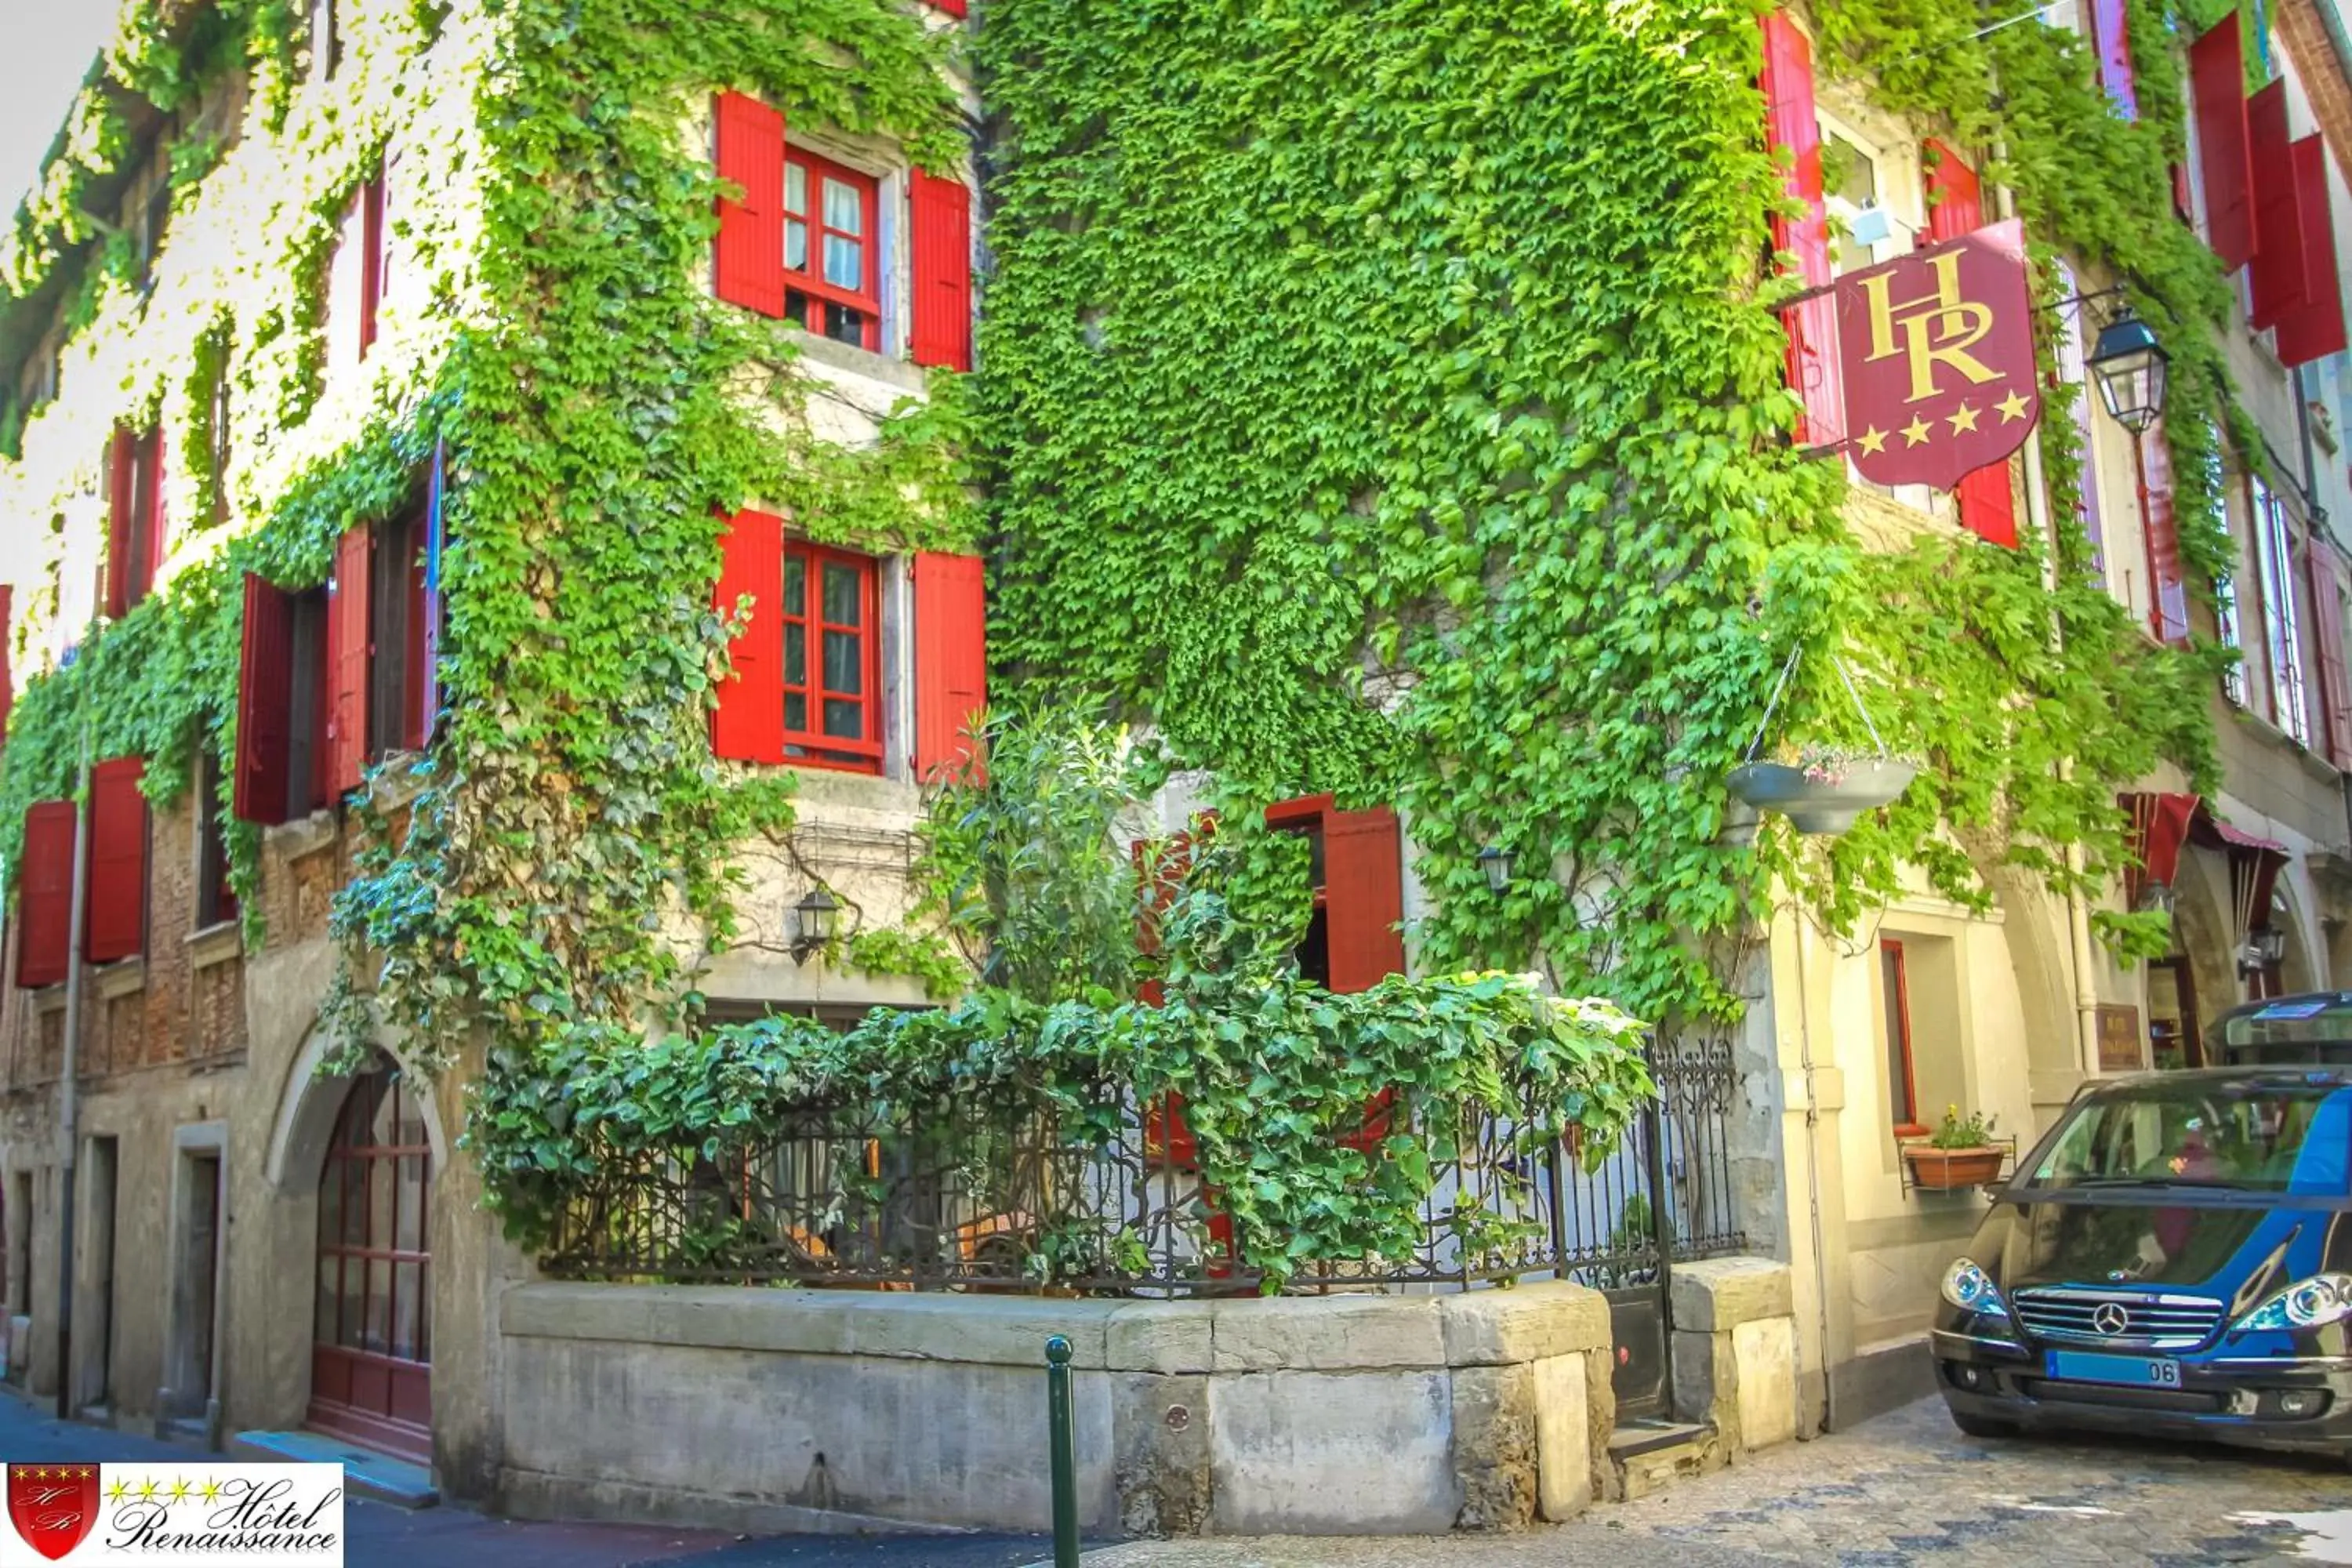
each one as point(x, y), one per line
point(371, 1342)
point(190, 1387)
point(2172, 1014)
point(94, 1375)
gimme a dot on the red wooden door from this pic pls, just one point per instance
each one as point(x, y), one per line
point(371, 1345)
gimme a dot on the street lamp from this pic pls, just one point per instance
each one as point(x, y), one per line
point(814, 920)
point(2129, 364)
point(1495, 861)
point(2156, 899)
point(2266, 949)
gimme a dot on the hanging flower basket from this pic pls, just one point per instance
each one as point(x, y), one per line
point(1953, 1170)
point(1819, 799)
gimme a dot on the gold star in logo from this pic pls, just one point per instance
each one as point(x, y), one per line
point(147, 1489)
point(1916, 432)
point(2011, 407)
point(180, 1491)
point(119, 1491)
point(209, 1491)
point(1874, 440)
point(1965, 419)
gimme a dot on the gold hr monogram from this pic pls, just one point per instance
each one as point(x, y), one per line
point(1940, 326)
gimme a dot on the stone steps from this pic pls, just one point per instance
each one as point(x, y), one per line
point(1649, 1456)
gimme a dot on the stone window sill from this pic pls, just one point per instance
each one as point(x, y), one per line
point(308, 836)
point(121, 978)
point(215, 944)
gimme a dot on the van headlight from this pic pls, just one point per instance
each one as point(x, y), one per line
point(1972, 1290)
point(2310, 1303)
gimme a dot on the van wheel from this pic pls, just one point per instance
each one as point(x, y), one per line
point(1983, 1425)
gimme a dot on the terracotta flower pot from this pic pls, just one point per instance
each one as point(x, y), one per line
point(1821, 805)
point(1949, 1170)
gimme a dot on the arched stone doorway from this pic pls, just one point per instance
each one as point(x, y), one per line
point(371, 1335)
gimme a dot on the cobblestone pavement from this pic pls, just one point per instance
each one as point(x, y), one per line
point(1906, 1489)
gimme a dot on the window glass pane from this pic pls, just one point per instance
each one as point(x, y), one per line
point(796, 712)
point(844, 262)
point(844, 721)
point(1898, 1029)
point(795, 656)
point(407, 1287)
point(795, 188)
point(1855, 170)
point(331, 1274)
point(796, 308)
point(795, 245)
point(844, 325)
point(378, 1334)
point(841, 664)
point(795, 585)
point(844, 209)
point(842, 601)
point(410, 1237)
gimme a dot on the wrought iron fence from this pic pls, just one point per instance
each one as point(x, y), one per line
point(1002, 1195)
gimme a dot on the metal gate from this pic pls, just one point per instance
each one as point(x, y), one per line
point(1663, 1196)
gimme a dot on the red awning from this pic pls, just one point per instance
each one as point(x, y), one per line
point(2159, 825)
point(2214, 833)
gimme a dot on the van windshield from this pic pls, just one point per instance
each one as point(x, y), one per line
point(2267, 1135)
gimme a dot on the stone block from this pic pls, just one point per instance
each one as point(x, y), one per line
point(1311, 1453)
point(995, 1330)
point(1168, 1337)
point(1524, 1323)
point(1706, 1382)
point(1718, 1293)
point(1161, 1435)
point(1326, 1333)
point(1564, 1446)
point(1495, 1451)
point(1765, 1351)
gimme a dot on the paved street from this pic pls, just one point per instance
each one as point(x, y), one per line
point(386, 1537)
point(1904, 1489)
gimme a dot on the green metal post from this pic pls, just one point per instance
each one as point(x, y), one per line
point(1065, 1446)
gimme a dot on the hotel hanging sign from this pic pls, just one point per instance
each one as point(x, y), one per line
point(1937, 349)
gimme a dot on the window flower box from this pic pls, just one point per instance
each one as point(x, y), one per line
point(1953, 1170)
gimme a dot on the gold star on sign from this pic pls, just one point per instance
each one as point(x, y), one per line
point(2011, 407)
point(180, 1492)
point(147, 1489)
point(119, 1491)
point(1965, 419)
point(1874, 440)
point(1916, 432)
point(209, 1491)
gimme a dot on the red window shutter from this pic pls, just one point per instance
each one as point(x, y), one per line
point(416, 725)
point(265, 699)
point(2325, 576)
point(2277, 275)
point(1160, 868)
point(117, 907)
point(347, 652)
point(749, 263)
point(370, 260)
point(941, 332)
point(2111, 37)
point(749, 725)
point(1988, 505)
point(2313, 329)
point(45, 895)
point(158, 521)
point(1956, 195)
point(1792, 124)
point(122, 464)
point(2169, 617)
point(950, 658)
point(1363, 883)
point(2217, 85)
point(952, 7)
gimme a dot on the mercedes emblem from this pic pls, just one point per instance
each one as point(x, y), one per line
point(2110, 1319)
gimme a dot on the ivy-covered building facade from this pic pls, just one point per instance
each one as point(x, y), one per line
point(497, 523)
point(289, 532)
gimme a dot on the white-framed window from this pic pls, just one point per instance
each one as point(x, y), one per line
point(1857, 193)
point(2274, 546)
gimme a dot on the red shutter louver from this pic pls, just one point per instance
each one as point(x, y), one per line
point(117, 908)
point(265, 698)
point(2111, 37)
point(950, 658)
point(1160, 868)
point(1363, 881)
point(952, 7)
point(748, 724)
point(2325, 576)
point(45, 895)
point(2315, 327)
point(1988, 505)
point(2217, 82)
point(348, 651)
point(2277, 276)
point(749, 260)
point(1792, 126)
point(122, 466)
point(941, 333)
point(2169, 617)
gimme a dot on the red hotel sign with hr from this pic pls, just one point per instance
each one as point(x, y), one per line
point(1937, 349)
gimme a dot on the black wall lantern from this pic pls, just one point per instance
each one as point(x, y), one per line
point(814, 918)
point(1495, 861)
point(2129, 366)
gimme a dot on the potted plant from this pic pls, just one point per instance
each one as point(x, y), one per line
point(1822, 789)
point(1958, 1153)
